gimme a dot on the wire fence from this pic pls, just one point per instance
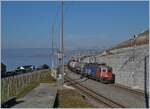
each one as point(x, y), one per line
point(12, 86)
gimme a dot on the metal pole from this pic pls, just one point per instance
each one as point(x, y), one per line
point(145, 83)
point(61, 53)
point(134, 63)
point(62, 44)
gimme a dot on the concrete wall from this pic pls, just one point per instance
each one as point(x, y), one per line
point(127, 64)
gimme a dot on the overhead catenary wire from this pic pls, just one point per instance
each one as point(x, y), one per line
point(52, 47)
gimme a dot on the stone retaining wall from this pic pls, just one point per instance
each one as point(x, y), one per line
point(128, 65)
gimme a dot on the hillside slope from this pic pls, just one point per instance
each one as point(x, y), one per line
point(142, 38)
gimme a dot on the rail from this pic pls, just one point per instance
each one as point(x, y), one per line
point(128, 89)
point(98, 97)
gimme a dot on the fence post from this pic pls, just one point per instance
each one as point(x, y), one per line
point(15, 85)
point(8, 88)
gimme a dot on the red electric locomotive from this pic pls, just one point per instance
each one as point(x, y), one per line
point(104, 74)
point(99, 72)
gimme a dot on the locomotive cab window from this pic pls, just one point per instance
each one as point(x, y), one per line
point(100, 69)
point(104, 70)
point(109, 70)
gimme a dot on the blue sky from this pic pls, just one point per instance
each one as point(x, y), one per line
point(90, 24)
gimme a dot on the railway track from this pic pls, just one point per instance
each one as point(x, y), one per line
point(96, 96)
point(128, 89)
point(124, 88)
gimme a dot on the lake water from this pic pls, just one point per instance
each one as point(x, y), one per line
point(13, 58)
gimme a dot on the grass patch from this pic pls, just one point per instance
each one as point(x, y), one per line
point(68, 98)
point(45, 78)
point(27, 90)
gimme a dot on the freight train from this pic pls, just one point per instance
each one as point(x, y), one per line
point(98, 72)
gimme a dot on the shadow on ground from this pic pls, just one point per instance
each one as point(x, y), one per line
point(10, 103)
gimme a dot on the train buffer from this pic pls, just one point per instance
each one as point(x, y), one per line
point(42, 96)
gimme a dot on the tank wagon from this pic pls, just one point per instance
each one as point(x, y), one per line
point(98, 72)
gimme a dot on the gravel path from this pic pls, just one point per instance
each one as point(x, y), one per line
point(128, 99)
point(41, 97)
